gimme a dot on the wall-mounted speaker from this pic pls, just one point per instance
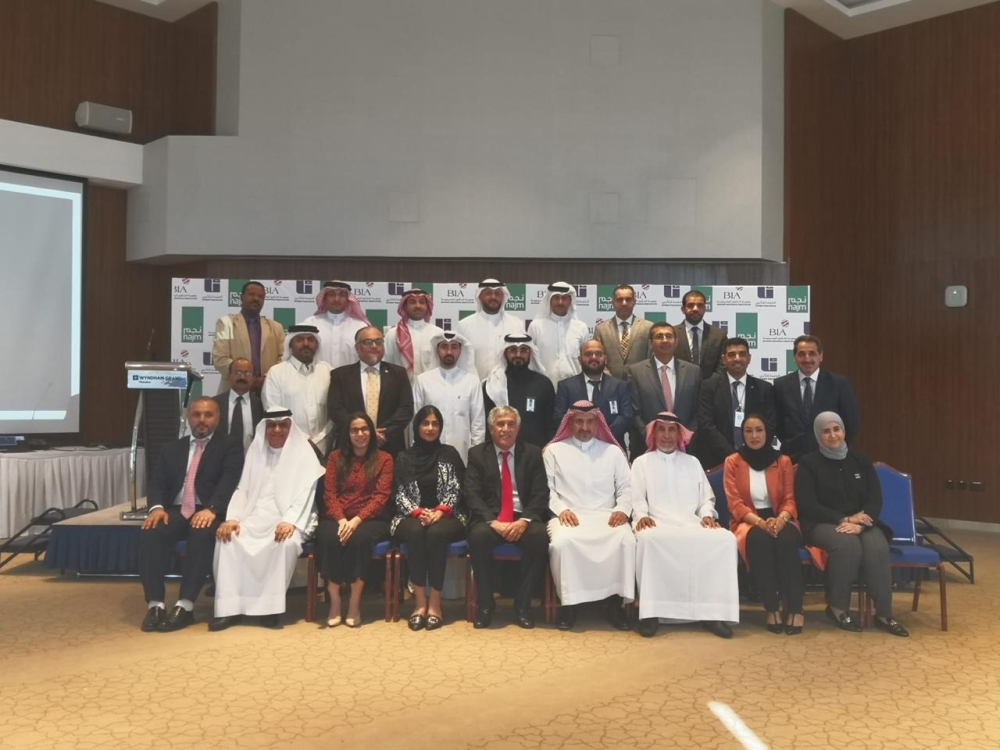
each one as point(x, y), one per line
point(93, 116)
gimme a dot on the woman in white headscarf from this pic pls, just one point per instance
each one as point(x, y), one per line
point(839, 500)
point(270, 515)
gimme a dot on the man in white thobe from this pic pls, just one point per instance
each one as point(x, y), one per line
point(559, 333)
point(487, 327)
point(338, 317)
point(302, 383)
point(408, 343)
point(454, 388)
point(685, 561)
point(270, 515)
point(591, 545)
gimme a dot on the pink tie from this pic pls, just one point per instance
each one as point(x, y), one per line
point(668, 397)
point(187, 499)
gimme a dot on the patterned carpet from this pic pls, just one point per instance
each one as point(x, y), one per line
point(78, 673)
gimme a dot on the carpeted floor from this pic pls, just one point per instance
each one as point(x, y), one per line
point(78, 673)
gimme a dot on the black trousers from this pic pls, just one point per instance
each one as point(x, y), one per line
point(346, 563)
point(155, 546)
point(775, 566)
point(852, 555)
point(427, 548)
point(534, 546)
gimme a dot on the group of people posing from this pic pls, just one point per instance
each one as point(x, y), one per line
point(519, 437)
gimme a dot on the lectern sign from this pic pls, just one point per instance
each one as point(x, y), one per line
point(158, 380)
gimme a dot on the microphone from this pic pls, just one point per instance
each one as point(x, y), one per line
point(150, 356)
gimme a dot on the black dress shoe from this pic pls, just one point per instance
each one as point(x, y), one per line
point(221, 623)
point(775, 627)
point(271, 621)
point(566, 618)
point(891, 627)
point(719, 628)
point(154, 616)
point(178, 619)
point(616, 615)
point(793, 630)
point(484, 617)
point(434, 622)
point(844, 621)
point(524, 619)
point(648, 626)
point(416, 622)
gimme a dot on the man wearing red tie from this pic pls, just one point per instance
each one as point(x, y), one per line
point(188, 494)
point(507, 493)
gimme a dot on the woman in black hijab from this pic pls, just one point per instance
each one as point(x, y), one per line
point(429, 512)
point(759, 490)
point(840, 500)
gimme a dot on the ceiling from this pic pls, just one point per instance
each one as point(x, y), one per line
point(886, 14)
point(883, 16)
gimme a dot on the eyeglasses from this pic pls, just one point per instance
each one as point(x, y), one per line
point(358, 430)
point(372, 342)
point(662, 336)
point(246, 373)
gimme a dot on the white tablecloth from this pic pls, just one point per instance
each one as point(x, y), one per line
point(32, 482)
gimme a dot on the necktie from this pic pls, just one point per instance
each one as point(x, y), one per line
point(807, 396)
point(597, 390)
point(695, 347)
point(623, 345)
point(236, 427)
point(371, 393)
point(506, 490)
point(668, 396)
point(737, 431)
point(188, 498)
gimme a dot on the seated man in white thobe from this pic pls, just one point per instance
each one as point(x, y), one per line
point(454, 388)
point(558, 333)
point(302, 383)
point(270, 515)
point(338, 316)
point(408, 343)
point(685, 562)
point(591, 545)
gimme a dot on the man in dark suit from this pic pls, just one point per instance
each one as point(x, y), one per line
point(378, 388)
point(726, 398)
point(608, 393)
point(507, 493)
point(650, 395)
point(240, 408)
point(189, 489)
point(801, 395)
point(625, 337)
point(697, 341)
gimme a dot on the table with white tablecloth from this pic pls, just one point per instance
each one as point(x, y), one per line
point(60, 478)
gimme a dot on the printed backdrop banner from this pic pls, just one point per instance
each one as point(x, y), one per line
point(769, 317)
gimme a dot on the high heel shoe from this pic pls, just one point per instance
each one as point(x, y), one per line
point(793, 629)
point(334, 621)
point(774, 627)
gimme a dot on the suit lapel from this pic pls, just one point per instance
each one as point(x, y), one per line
point(240, 332)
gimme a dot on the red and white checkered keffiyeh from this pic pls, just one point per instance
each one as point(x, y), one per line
point(403, 338)
point(602, 433)
point(666, 417)
point(353, 306)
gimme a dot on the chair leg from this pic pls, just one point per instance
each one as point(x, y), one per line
point(470, 592)
point(397, 586)
point(548, 604)
point(311, 589)
point(917, 576)
point(387, 586)
point(944, 597)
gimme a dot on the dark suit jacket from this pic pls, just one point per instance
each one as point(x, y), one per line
point(716, 418)
point(395, 401)
point(613, 391)
point(607, 332)
point(647, 395)
point(710, 348)
point(795, 428)
point(218, 472)
point(256, 408)
point(482, 482)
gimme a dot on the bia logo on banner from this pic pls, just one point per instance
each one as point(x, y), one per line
point(746, 328)
point(798, 299)
point(192, 325)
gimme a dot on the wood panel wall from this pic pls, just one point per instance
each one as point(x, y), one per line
point(892, 193)
point(55, 54)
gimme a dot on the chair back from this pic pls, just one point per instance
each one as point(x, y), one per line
point(719, 490)
point(897, 503)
